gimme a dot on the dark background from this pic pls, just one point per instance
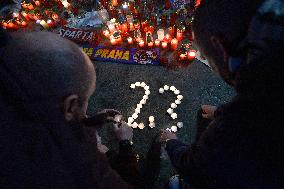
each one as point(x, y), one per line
point(197, 83)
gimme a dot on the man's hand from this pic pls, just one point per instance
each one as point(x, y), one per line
point(167, 135)
point(102, 148)
point(123, 131)
point(208, 111)
point(101, 118)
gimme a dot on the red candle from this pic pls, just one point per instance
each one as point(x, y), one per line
point(106, 33)
point(113, 41)
point(182, 56)
point(123, 28)
point(141, 43)
point(157, 42)
point(24, 24)
point(174, 44)
point(114, 3)
point(130, 40)
point(191, 55)
point(50, 23)
point(151, 44)
point(179, 36)
point(164, 44)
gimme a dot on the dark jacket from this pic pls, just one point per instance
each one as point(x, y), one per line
point(243, 147)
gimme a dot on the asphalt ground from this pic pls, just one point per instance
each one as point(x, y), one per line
point(197, 83)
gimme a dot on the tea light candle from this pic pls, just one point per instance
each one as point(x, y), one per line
point(174, 116)
point(138, 84)
point(130, 120)
point(157, 42)
point(152, 125)
point(174, 128)
point(170, 111)
point(174, 44)
point(179, 97)
point(134, 125)
point(132, 86)
point(135, 116)
point(167, 129)
point(173, 88)
point(141, 126)
point(161, 90)
point(141, 43)
point(130, 40)
point(179, 124)
point(166, 87)
point(137, 110)
point(164, 45)
point(177, 92)
point(139, 106)
point(143, 101)
point(173, 105)
point(177, 102)
point(143, 84)
point(151, 119)
point(161, 34)
point(191, 55)
point(145, 97)
point(147, 92)
point(146, 87)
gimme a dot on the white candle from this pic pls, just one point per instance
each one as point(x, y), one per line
point(174, 128)
point(137, 110)
point(151, 119)
point(174, 115)
point(173, 105)
point(145, 97)
point(178, 102)
point(146, 87)
point(134, 125)
point(166, 87)
point(130, 120)
point(147, 92)
point(152, 125)
point(143, 101)
point(141, 126)
point(130, 40)
point(134, 116)
point(176, 92)
point(179, 97)
point(132, 86)
point(161, 90)
point(138, 84)
point(143, 84)
point(139, 106)
point(168, 129)
point(173, 88)
point(180, 124)
point(170, 111)
point(161, 34)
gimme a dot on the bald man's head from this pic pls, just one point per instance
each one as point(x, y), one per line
point(49, 68)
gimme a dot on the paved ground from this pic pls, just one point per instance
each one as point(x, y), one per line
point(197, 84)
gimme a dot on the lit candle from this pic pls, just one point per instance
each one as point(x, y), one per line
point(55, 16)
point(114, 3)
point(44, 24)
point(167, 37)
point(141, 43)
point(123, 28)
point(180, 32)
point(151, 44)
point(65, 3)
point(157, 42)
point(111, 26)
point(106, 33)
point(182, 56)
point(151, 119)
point(130, 40)
point(37, 3)
point(112, 40)
point(164, 45)
point(25, 15)
point(49, 23)
point(161, 34)
point(191, 55)
point(125, 6)
point(174, 44)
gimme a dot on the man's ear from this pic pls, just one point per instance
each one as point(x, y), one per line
point(70, 107)
point(219, 46)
